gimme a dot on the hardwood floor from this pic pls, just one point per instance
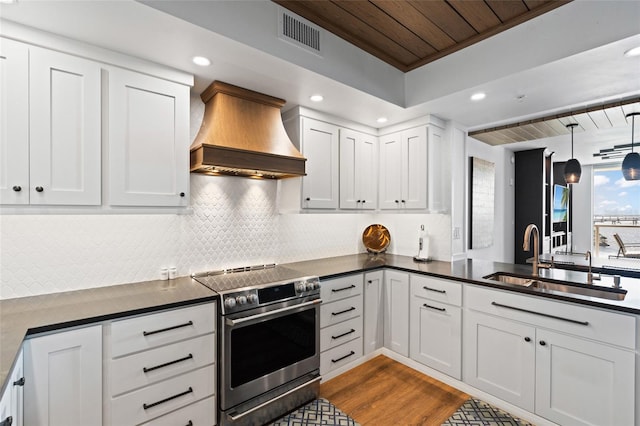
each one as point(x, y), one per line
point(385, 392)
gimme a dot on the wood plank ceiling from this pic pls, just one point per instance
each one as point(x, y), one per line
point(410, 33)
point(595, 117)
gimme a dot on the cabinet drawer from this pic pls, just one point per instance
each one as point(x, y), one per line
point(149, 331)
point(163, 397)
point(592, 323)
point(145, 368)
point(340, 356)
point(338, 334)
point(437, 289)
point(202, 413)
point(341, 288)
point(341, 310)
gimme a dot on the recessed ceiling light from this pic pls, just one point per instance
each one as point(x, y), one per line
point(382, 120)
point(201, 61)
point(632, 52)
point(478, 96)
point(316, 98)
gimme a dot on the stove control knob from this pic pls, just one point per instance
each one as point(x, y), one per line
point(242, 300)
point(252, 298)
point(230, 302)
point(311, 285)
point(302, 286)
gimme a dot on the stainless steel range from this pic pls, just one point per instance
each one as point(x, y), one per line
point(269, 342)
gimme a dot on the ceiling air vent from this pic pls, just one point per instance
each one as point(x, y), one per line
point(299, 31)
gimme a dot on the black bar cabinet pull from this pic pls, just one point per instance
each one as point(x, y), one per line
point(39, 189)
point(19, 382)
point(166, 364)
point(7, 422)
point(343, 312)
point(336, 290)
point(351, 353)
point(433, 307)
point(540, 314)
point(343, 334)
point(434, 289)
point(162, 401)
point(162, 330)
point(527, 339)
point(17, 188)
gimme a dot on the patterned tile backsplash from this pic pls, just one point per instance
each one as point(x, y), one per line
point(233, 222)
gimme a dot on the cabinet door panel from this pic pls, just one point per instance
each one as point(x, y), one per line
point(499, 359)
point(415, 163)
point(349, 191)
point(390, 171)
point(63, 378)
point(436, 335)
point(320, 147)
point(373, 311)
point(14, 122)
point(64, 107)
point(579, 382)
point(367, 166)
point(148, 141)
point(396, 333)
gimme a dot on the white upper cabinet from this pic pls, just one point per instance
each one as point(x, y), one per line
point(358, 170)
point(51, 127)
point(14, 122)
point(320, 147)
point(148, 140)
point(403, 169)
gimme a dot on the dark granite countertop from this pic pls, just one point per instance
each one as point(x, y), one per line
point(24, 316)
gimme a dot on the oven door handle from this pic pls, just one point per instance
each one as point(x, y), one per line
point(234, 322)
point(289, 392)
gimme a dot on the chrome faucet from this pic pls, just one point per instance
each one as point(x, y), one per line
point(532, 228)
point(590, 276)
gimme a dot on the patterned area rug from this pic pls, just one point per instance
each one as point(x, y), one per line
point(475, 412)
point(317, 412)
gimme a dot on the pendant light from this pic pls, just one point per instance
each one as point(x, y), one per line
point(631, 162)
point(572, 168)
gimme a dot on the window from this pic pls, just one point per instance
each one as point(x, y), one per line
point(616, 207)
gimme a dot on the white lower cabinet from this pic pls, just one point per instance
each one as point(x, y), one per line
point(11, 406)
point(63, 378)
point(436, 327)
point(557, 360)
point(500, 358)
point(340, 322)
point(396, 311)
point(373, 334)
point(579, 382)
point(161, 368)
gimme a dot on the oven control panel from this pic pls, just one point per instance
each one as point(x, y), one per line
point(250, 298)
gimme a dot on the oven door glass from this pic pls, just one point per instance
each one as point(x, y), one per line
point(265, 347)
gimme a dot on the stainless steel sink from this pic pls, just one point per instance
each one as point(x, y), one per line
point(546, 285)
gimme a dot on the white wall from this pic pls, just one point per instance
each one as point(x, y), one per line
point(502, 248)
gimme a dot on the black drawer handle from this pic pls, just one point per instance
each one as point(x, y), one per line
point(343, 334)
point(162, 401)
point(540, 314)
point(166, 364)
point(162, 330)
point(351, 353)
point(434, 289)
point(434, 307)
point(7, 422)
point(337, 290)
point(343, 312)
point(19, 382)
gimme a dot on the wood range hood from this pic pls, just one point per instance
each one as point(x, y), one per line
point(242, 135)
